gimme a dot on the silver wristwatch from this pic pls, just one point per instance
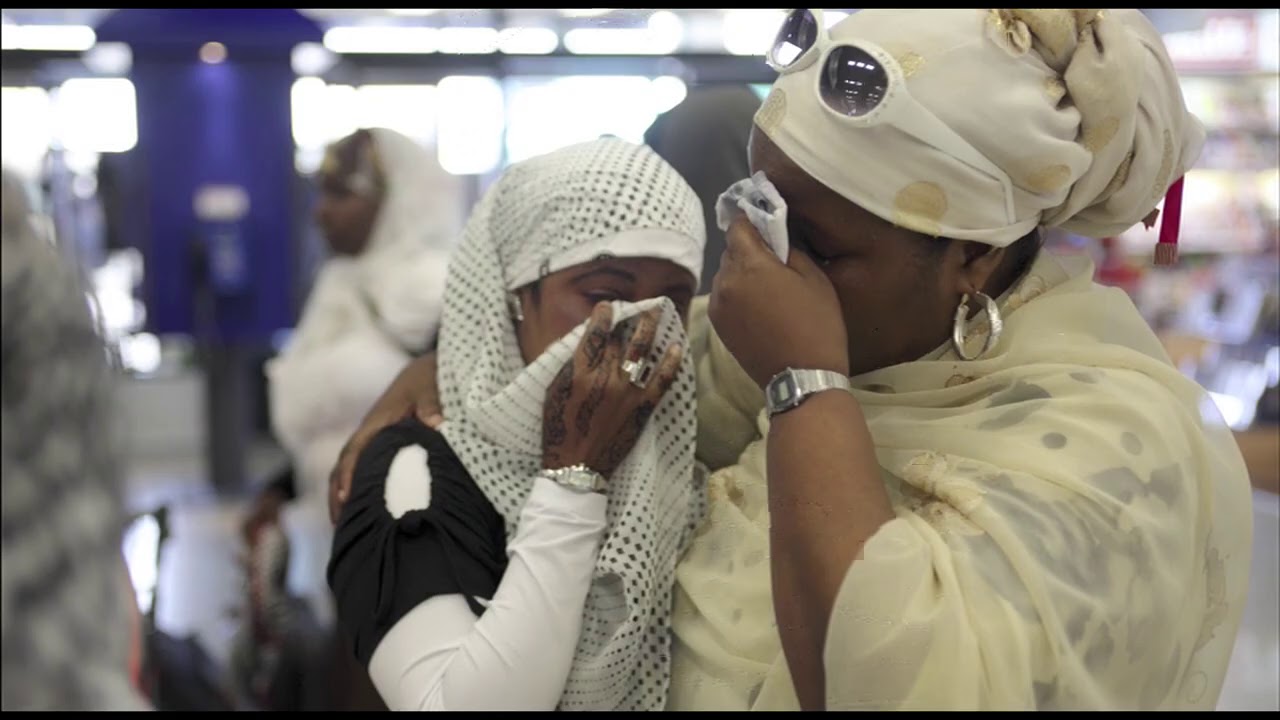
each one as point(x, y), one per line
point(578, 478)
point(791, 387)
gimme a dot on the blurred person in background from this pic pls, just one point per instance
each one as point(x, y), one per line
point(70, 623)
point(390, 216)
point(705, 139)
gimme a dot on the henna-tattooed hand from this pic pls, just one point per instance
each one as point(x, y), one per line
point(593, 414)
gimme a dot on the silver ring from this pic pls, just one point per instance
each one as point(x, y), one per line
point(637, 371)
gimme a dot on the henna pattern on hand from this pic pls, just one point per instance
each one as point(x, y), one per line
point(593, 348)
point(626, 439)
point(554, 430)
point(591, 403)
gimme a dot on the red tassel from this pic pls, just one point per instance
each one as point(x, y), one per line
point(1170, 225)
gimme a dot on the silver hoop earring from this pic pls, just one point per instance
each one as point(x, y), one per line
point(514, 306)
point(959, 329)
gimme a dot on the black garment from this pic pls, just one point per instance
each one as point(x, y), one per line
point(705, 139)
point(284, 483)
point(383, 567)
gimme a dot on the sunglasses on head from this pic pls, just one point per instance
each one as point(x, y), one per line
point(863, 86)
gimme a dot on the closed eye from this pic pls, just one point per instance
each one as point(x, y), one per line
point(597, 296)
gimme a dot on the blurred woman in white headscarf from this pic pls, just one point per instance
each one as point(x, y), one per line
point(390, 216)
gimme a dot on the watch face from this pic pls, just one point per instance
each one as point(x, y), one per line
point(783, 391)
point(581, 479)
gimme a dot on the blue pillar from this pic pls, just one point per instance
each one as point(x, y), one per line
point(226, 124)
point(205, 124)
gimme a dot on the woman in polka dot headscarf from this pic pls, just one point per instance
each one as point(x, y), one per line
point(522, 556)
point(977, 481)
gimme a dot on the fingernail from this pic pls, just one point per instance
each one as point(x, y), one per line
point(605, 314)
point(434, 421)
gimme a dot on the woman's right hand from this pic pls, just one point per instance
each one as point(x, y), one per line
point(413, 392)
point(593, 413)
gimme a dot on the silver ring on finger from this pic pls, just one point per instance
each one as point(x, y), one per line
point(637, 372)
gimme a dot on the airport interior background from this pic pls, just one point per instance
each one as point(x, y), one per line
point(196, 298)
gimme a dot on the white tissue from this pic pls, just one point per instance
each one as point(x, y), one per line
point(764, 207)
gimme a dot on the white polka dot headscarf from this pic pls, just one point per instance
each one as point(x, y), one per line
point(544, 215)
point(1080, 111)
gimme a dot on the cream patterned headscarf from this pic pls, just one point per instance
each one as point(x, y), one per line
point(1081, 108)
point(549, 213)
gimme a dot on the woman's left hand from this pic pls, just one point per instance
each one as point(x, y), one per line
point(771, 315)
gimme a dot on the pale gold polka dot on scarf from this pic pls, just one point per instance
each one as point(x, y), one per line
point(1007, 32)
point(1121, 175)
point(1096, 136)
point(1049, 178)
point(716, 491)
point(1166, 168)
point(771, 114)
point(957, 380)
point(1055, 33)
point(910, 63)
point(736, 495)
point(920, 207)
point(1054, 88)
point(1085, 18)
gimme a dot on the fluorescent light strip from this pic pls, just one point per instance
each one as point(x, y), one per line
point(662, 37)
point(750, 32)
point(467, 40)
point(381, 39)
point(69, 38)
point(528, 41)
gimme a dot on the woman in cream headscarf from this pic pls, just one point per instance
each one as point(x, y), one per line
point(463, 560)
point(1061, 521)
point(1039, 513)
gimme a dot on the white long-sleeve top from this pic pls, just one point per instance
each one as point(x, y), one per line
point(517, 655)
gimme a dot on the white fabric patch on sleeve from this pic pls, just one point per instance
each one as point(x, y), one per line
point(408, 484)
